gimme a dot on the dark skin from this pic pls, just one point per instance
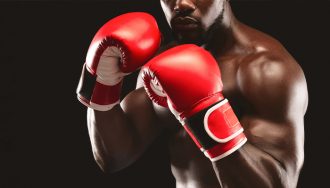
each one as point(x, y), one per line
point(264, 84)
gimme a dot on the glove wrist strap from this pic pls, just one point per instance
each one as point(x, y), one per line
point(216, 130)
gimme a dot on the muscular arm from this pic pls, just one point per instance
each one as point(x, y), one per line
point(119, 136)
point(273, 156)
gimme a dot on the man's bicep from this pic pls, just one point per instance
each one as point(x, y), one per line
point(280, 140)
point(139, 110)
point(277, 94)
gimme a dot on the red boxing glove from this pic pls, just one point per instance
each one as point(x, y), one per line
point(120, 46)
point(188, 79)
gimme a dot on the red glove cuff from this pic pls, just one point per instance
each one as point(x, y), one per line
point(216, 130)
point(96, 95)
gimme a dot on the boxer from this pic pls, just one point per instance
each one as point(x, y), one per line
point(231, 99)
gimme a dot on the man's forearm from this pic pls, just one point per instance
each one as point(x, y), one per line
point(112, 138)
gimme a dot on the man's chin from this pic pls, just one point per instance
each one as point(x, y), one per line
point(188, 37)
point(196, 42)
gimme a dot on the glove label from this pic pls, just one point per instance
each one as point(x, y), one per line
point(214, 125)
point(221, 123)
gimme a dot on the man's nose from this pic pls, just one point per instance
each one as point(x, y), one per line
point(184, 6)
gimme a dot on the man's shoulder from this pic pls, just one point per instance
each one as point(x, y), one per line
point(271, 64)
point(270, 79)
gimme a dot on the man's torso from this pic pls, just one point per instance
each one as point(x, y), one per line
point(190, 167)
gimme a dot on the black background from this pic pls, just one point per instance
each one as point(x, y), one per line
point(43, 133)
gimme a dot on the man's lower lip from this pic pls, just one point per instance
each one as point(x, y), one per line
point(185, 26)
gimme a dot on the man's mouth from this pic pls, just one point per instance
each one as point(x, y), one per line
point(184, 23)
